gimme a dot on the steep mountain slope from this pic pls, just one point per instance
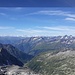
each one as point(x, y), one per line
point(23, 57)
point(7, 59)
point(36, 45)
point(54, 63)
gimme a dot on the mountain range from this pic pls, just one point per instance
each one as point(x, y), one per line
point(53, 55)
point(9, 55)
point(36, 45)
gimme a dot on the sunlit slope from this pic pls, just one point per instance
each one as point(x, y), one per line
point(54, 63)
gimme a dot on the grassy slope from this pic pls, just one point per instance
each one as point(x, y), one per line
point(54, 63)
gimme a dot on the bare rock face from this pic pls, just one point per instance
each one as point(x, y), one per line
point(9, 55)
point(7, 59)
point(15, 70)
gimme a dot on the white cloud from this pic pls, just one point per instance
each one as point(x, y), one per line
point(40, 31)
point(11, 18)
point(12, 8)
point(70, 19)
point(6, 27)
point(48, 31)
point(18, 8)
point(34, 32)
point(49, 12)
point(3, 14)
point(31, 30)
point(52, 12)
point(61, 28)
point(60, 13)
point(58, 28)
point(71, 16)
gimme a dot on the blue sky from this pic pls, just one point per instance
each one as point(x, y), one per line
point(37, 21)
point(38, 3)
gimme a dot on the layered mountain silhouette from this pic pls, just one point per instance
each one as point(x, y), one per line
point(7, 59)
point(11, 55)
point(36, 45)
point(51, 55)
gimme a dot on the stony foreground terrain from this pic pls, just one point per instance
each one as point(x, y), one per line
point(15, 70)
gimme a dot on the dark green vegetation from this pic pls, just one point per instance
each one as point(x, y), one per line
point(54, 63)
